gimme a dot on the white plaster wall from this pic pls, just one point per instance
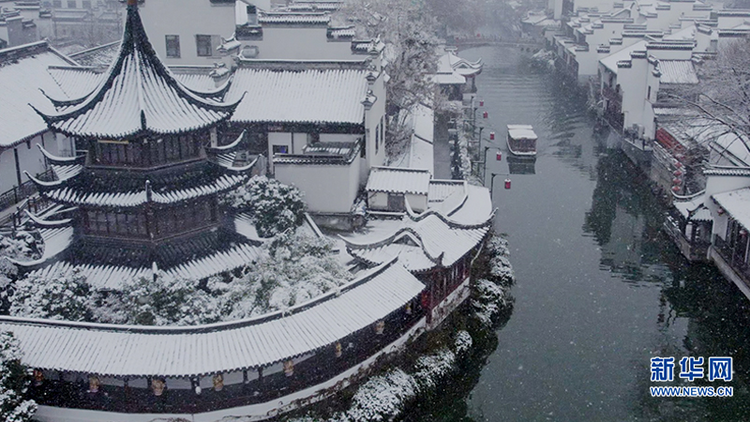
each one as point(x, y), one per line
point(30, 158)
point(7, 170)
point(374, 117)
point(186, 18)
point(296, 42)
point(326, 188)
point(338, 137)
point(418, 203)
point(377, 200)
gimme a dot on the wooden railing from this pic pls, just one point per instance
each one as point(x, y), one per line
point(19, 193)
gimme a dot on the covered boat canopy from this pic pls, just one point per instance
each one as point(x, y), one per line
point(521, 132)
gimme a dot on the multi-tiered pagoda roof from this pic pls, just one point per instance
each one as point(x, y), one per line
point(139, 96)
point(144, 195)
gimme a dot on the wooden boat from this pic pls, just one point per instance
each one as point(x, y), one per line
point(522, 141)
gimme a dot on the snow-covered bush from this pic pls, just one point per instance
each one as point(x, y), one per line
point(489, 301)
point(13, 382)
point(463, 342)
point(500, 268)
point(67, 297)
point(382, 397)
point(274, 206)
point(166, 300)
point(430, 369)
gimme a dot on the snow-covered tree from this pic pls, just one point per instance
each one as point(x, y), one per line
point(13, 382)
point(408, 31)
point(274, 206)
point(165, 300)
point(22, 247)
point(296, 269)
point(67, 297)
point(723, 96)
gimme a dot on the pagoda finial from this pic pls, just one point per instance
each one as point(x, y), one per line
point(133, 3)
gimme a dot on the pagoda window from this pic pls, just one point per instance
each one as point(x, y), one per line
point(113, 223)
point(173, 46)
point(71, 4)
point(57, 4)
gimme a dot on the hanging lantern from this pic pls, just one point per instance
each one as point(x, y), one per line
point(218, 382)
point(677, 164)
point(196, 386)
point(408, 308)
point(507, 183)
point(720, 210)
point(157, 386)
point(484, 115)
point(675, 189)
point(499, 156)
point(38, 376)
point(677, 173)
point(481, 103)
point(94, 384)
point(492, 136)
point(743, 232)
point(338, 350)
point(676, 181)
point(288, 368)
point(379, 327)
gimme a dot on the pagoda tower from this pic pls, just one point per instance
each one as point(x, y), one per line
point(145, 194)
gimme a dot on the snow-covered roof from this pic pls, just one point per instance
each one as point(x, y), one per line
point(446, 196)
point(23, 71)
point(423, 242)
point(137, 351)
point(737, 204)
point(111, 276)
point(398, 180)
point(307, 96)
point(139, 95)
point(76, 81)
point(102, 55)
point(80, 195)
point(610, 62)
point(695, 206)
point(449, 62)
point(677, 72)
point(475, 209)
point(294, 18)
point(521, 132)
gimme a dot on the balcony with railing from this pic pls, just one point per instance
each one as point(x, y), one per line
point(734, 258)
point(26, 190)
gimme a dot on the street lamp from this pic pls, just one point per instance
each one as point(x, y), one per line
point(492, 181)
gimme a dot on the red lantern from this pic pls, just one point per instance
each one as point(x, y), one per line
point(720, 210)
point(507, 183)
point(484, 115)
point(675, 189)
point(481, 103)
point(677, 181)
point(677, 173)
point(499, 156)
point(677, 164)
point(743, 232)
point(492, 136)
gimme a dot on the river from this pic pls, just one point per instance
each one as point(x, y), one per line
point(599, 290)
